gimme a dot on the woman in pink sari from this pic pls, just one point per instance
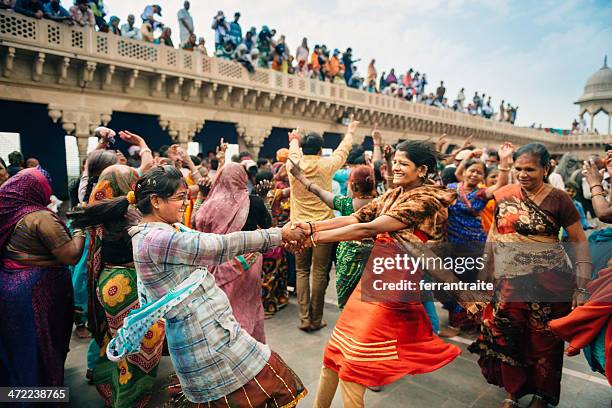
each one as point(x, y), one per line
point(230, 208)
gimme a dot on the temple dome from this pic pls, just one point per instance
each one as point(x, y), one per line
point(599, 85)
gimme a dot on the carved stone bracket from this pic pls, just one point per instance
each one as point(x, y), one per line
point(252, 136)
point(87, 73)
point(9, 60)
point(62, 70)
point(39, 64)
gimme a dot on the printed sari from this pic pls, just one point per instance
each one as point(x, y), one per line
point(534, 285)
point(113, 290)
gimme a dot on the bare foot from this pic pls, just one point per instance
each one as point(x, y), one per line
point(510, 403)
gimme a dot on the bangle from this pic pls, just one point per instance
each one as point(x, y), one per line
point(599, 193)
point(314, 244)
point(143, 151)
point(504, 168)
point(595, 185)
point(308, 187)
point(311, 229)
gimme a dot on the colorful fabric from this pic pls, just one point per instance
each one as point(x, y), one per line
point(588, 326)
point(22, 194)
point(212, 355)
point(376, 343)
point(129, 382)
point(464, 217)
point(78, 273)
point(351, 257)
point(275, 271)
point(36, 324)
point(516, 349)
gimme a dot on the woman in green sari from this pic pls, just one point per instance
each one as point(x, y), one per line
point(351, 256)
point(113, 293)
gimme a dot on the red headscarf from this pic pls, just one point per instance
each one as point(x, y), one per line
point(24, 193)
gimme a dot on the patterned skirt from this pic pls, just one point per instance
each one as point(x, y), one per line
point(275, 386)
point(517, 349)
point(274, 286)
point(128, 383)
point(351, 259)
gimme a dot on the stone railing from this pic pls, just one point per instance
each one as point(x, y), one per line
point(86, 44)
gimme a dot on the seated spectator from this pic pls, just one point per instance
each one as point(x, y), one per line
point(202, 46)
point(391, 78)
point(7, 4)
point(54, 11)
point(113, 25)
point(82, 14)
point(146, 32)
point(226, 51)
point(191, 43)
point(129, 30)
point(165, 38)
point(244, 57)
point(31, 8)
point(97, 8)
point(148, 15)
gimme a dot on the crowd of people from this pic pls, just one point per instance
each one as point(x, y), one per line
point(264, 49)
point(194, 252)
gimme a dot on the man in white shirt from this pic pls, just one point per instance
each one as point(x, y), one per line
point(185, 23)
point(129, 30)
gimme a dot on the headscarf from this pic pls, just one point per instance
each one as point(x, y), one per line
point(225, 210)
point(24, 193)
point(115, 181)
point(282, 155)
point(227, 206)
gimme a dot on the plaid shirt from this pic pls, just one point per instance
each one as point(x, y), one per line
point(213, 356)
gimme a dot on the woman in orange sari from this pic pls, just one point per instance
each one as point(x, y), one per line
point(534, 283)
point(376, 343)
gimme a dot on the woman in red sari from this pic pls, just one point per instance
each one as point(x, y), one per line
point(534, 283)
point(376, 343)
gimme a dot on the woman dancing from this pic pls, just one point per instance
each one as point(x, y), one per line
point(216, 361)
point(376, 343)
point(534, 283)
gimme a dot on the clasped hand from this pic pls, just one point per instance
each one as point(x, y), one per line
point(296, 236)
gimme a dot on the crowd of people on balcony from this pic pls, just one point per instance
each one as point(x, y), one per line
point(266, 49)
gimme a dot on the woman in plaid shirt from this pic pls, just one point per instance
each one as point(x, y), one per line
point(216, 361)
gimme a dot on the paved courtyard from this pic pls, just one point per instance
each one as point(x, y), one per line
point(458, 385)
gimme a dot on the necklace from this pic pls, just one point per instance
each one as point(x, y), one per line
point(534, 195)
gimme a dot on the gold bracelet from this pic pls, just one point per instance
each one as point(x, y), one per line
point(600, 193)
point(314, 244)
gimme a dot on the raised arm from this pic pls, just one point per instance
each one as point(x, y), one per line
point(146, 156)
point(340, 155)
point(377, 153)
point(506, 150)
point(601, 206)
point(324, 195)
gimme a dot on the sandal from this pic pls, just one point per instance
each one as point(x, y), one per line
point(305, 326)
point(510, 403)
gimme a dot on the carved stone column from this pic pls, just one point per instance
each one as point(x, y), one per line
point(252, 137)
point(181, 130)
point(80, 122)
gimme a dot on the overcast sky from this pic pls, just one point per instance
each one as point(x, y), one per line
point(535, 54)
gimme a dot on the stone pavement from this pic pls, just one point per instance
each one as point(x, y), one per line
point(457, 385)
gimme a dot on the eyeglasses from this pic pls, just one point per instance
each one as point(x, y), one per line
point(181, 197)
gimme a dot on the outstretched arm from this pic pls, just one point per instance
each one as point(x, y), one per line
point(324, 195)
